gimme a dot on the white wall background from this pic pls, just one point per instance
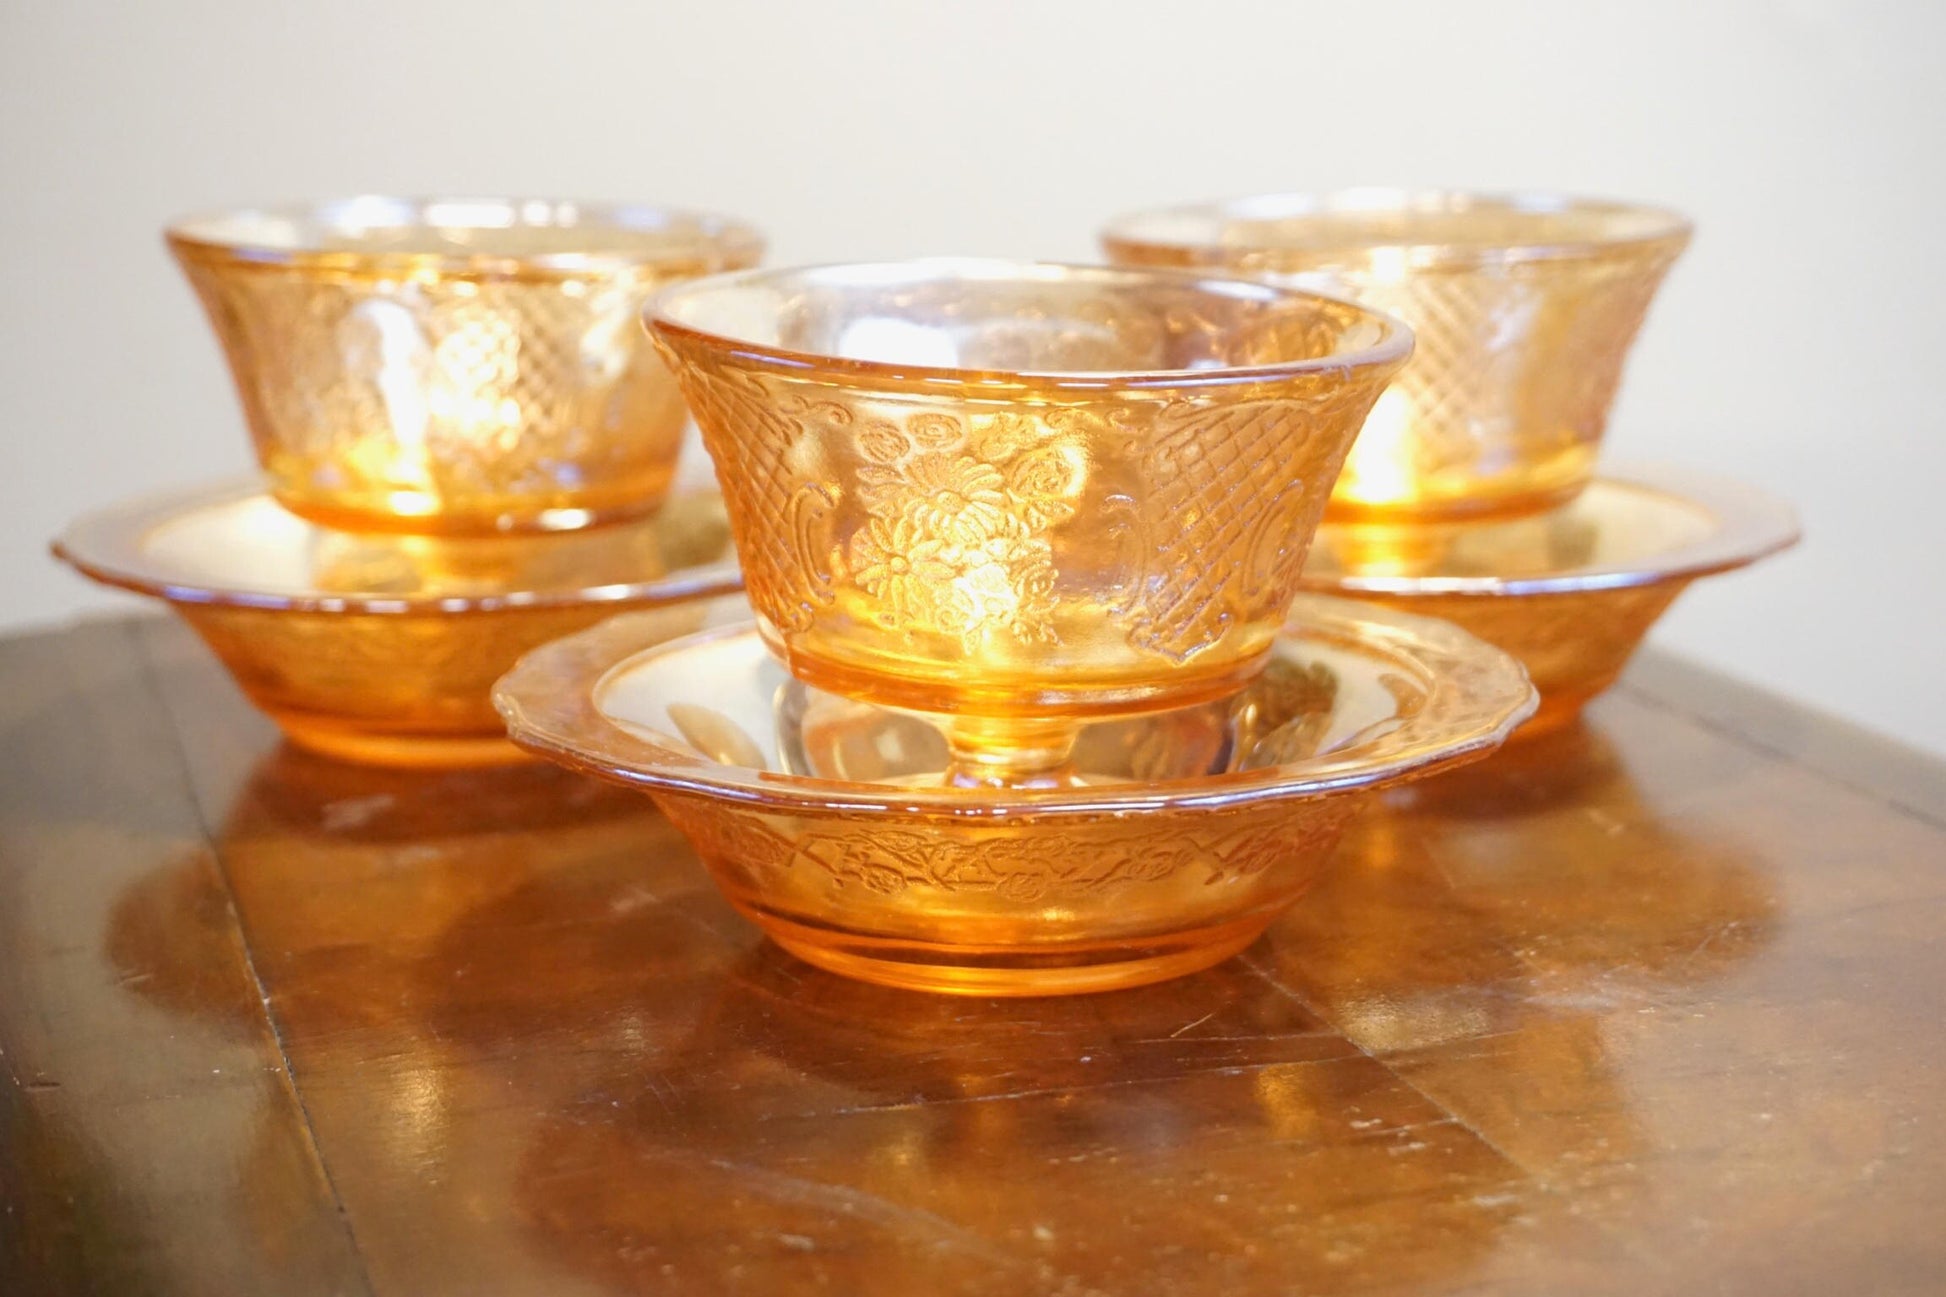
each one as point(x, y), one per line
point(1799, 344)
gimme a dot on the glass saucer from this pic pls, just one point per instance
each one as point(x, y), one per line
point(1570, 592)
point(384, 648)
point(1177, 838)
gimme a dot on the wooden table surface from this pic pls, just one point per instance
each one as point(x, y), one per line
point(1652, 1006)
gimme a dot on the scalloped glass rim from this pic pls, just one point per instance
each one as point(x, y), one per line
point(706, 240)
point(109, 546)
point(1124, 234)
point(1394, 344)
point(1478, 695)
point(1744, 525)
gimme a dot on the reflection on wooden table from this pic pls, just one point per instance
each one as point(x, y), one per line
point(1639, 1006)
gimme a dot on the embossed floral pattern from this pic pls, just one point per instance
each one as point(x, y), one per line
point(1056, 862)
point(482, 401)
point(1574, 644)
point(954, 497)
point(955, 539)
point(896, 561)
point(951, 542)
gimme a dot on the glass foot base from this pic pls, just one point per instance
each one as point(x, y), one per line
point(955, 970)
point(406, 751)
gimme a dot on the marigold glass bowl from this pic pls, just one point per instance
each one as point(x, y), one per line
point(381, 648)
point(454, 365)
point(1571, 592)
point(825, 821)
point(1022, 493)
point(1524, 306)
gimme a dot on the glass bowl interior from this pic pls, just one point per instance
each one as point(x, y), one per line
point(233, 545)
point(727, 698)
point(1430, 225)
point(1355, 697)
point(456, 234)
point(962, 319)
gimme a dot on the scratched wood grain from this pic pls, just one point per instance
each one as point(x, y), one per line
point(150, 1141)
point(1650, 1006)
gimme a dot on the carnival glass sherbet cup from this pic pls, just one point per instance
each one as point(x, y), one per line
point(454, 366)
point(1022, 494)
point(1524, 307)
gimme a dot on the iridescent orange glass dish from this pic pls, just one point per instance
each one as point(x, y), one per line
point(1181, 835)
point(1570, 592)
point(1022, 493)
point(454, 365)
point(382, 648)
point(1524, 307)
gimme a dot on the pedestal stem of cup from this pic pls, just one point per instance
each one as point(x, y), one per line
point(1010, 752)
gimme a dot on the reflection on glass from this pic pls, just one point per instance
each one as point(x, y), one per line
point(1525, 307)
point(1173, 840)
point(1023, 496)
point(454, 367)
point(1570, 592)
point(383, 648)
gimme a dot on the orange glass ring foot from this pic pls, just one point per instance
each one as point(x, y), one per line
point(1572, 592)
point(373, 747)
point(1174, 838)
point(958, 970)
